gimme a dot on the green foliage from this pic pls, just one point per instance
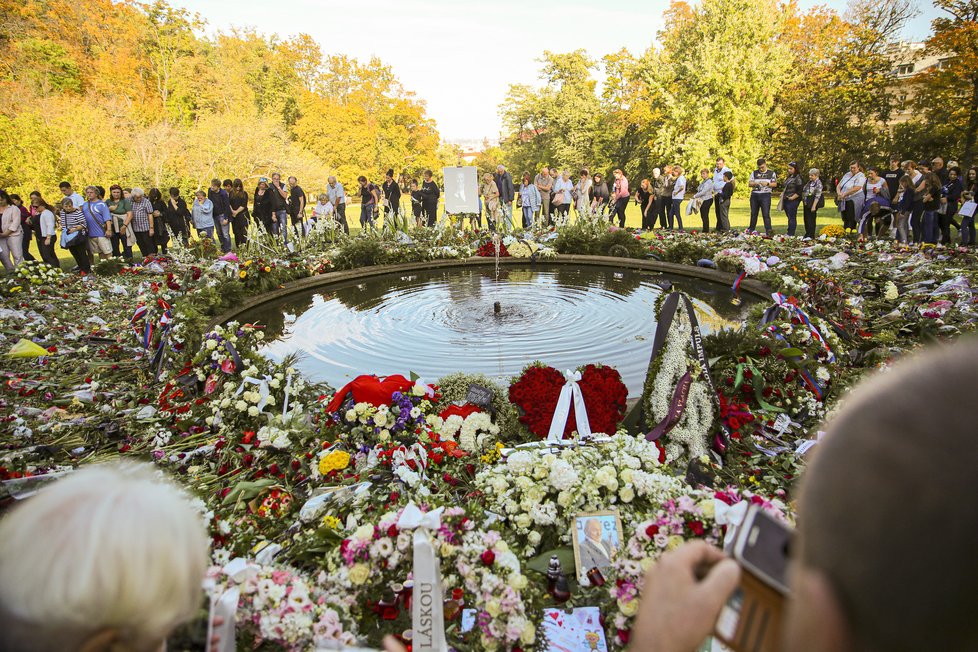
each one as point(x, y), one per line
point(619, 243)
point(362, 251)
point(687, 251)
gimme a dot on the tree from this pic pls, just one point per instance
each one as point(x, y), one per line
point(948, 93)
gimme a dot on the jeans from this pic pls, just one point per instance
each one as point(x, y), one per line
point(527, 217)
point(791, 210)
point(723, 214)
point(507, 207)
point(207, 231)
point(705, 214)
point(366, 215)
point(931, 227)
point(223, 227)
point(968, 230)
point(916, 223)
point(282, 226)
point(676, 213)
point(760, 202)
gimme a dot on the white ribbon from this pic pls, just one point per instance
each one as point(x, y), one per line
point(263, 390)
point(730, 515)
point(570, 391)
point(427, 619)
point(428, 390)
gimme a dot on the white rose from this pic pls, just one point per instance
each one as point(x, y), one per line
point(253, 411)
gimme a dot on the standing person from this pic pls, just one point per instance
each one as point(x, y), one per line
point(177, 216)
point(11, 233)
point(222, 214)
point(904, 205)
point(917, 211)
point(161, 237)
point(66, 190)
point(203, 216)
point(430, 193)
point(600, 196)
point(850, 195)
point(582, 195)
point(762, 181)
point(417, 203)
point(791, 196)
point(813, 198)
point(504, 181)
point(278, 198)
point(722, 200)
point(369, 199)
point(678, 195)
point(670, 185)
point(704, 195)
point(297, 206)
point(26, 226)
point(98, 224)
point(121, 209)
point(563, 196)
point(659, 212)
point(950, 200)
point(892, 177)
point(337, 197)
point(262, 207)
point(43, 215)
point(554, 175)
point(938, 168)
point(620, 197)
point(643, 197)
point(392, 198)
point(932, 202)
point(971, 181)
point(74, 230)
point(544, 183)
point(490, 197)
point(529, 200)
point(238, 201)
point(142, 222)
point(718, 170)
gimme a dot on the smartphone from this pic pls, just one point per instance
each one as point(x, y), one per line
point(751, 619)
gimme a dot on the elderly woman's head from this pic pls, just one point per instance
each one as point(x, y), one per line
point(109, 558)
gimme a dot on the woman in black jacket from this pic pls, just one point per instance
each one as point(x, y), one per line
point(261, 207)
point(161, 237)
point(392, 198)
point(238, 199)
point(177, 216)
point(791, 197)
point(430, 194)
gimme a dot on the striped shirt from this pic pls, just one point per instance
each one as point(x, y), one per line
point(73, 219)
point(141, 211)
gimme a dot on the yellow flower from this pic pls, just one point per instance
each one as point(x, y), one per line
point(628, 609)
point(359, 574)
point(15, 289)
point(242, 274)
point(335, 461)
point(267, 268)
point(332, 522)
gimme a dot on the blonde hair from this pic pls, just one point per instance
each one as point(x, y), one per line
point(110, 547)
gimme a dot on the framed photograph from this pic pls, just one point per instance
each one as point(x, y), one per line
point(597, 537)
point(461, 190)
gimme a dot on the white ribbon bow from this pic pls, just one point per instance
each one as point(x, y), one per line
point(730, 515)
point(263, 390)
point(427, 618)
point(570, 391)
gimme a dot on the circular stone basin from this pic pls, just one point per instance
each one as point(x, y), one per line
point(439, 321)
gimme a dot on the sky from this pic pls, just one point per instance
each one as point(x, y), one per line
point(460, 56)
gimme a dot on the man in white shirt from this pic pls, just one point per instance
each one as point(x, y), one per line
point(337, 197)
point(718, 171)
point(69, 193)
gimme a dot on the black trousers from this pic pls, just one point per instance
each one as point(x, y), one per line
point(660, 208)
point(145, 243)
point(620, 205)
point(917, 221)
point(80, 253)
point(648, 217)
point(26, 242)
point(47, 252)
point(810, 216)
point(341, 216)
point(430, 209)
point(239, 226)
point(705, 214)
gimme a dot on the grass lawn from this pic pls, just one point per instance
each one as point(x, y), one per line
point(739, 219)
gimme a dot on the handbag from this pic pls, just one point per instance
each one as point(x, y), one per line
point(559, 198)
point(73, 239)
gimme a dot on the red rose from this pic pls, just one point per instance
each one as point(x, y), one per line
point(488, 557)
point(652, 530)
point(392, 531)
point(696, 528)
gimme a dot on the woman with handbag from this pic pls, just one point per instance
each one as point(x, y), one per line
point(850, 195)
point(563, 188)
point(813, 198)
point(74, 234)
point(161, 237)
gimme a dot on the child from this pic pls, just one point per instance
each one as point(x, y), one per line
point(416, 202)
point(904, 205)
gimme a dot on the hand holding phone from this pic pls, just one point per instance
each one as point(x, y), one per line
point(683, 595)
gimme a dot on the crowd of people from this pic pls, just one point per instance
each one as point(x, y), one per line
point(911, 201)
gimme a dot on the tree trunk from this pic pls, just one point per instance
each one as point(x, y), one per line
point(972, 132)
